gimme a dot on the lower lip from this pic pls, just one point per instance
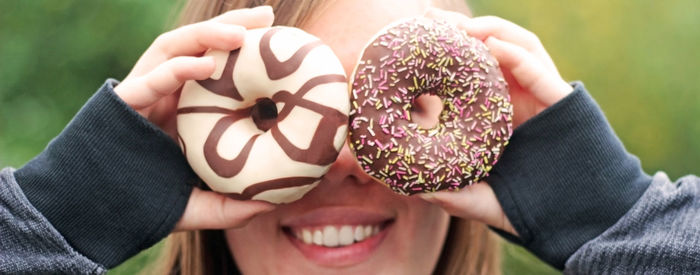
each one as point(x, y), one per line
point(340, 256)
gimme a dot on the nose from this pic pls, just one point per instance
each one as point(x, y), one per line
point(346, 168)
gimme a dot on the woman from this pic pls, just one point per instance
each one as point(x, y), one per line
point(97, 196)
point(417, 235)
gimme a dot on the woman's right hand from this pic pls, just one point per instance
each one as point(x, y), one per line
point(152, 89)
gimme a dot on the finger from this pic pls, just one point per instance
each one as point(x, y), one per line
point(165, 79)
point(258, 17)
point(224, 32)
point(196, 38)
point(211, 210)
point(485, 26)
point(477, 202)
point(451, 17)
point(528, 72)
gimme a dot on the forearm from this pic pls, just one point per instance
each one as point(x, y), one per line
point(28, 242)
point(659, 235)
point(565, 178)
point(111, 183)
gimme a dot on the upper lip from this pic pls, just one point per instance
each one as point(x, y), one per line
point(336, 215)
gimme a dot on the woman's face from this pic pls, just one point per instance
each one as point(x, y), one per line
point(399, 234)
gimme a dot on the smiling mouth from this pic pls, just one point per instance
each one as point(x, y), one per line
point(335, 236)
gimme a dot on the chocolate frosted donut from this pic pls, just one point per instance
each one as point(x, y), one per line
point(422, 56)
point(270, 120)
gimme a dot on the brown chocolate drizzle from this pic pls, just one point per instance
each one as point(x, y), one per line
point(278, 69)
point(224, 86)
point(223, 167)
point(321, 152)
point(204, 109)
point(263, 186)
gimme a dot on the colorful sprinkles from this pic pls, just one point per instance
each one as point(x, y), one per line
point(419, 56)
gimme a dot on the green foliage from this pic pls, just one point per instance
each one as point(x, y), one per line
point(55, 54)
point(637, 58)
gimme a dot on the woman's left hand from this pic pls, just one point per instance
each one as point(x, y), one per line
point(534, 85)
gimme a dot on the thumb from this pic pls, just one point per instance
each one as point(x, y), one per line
point(475, 202)
point(211, 210)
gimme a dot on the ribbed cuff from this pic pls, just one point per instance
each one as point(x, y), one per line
point(111, 183)
point(565, 178)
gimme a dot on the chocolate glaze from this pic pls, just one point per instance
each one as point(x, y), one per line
point(393, 66)
point(204, 109)
point(321, 152)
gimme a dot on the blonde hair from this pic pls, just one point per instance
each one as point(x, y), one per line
point(470, 248)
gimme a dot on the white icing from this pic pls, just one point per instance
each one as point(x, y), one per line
point(268, 162)
point(194, 94)
point(235, 137)
point(286, 42)
point(340, 136)
point(218, 55)
point(299, 127)
point(321, 93)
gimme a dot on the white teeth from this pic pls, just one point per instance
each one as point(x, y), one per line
point(318, 237)
point(345, 236)
point(359, 233)
point(368, 230)
point(334, 236)
point(330, 236)
point(306, 234)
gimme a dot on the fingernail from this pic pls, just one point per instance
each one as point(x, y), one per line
point(264, 8)
point(209, 59)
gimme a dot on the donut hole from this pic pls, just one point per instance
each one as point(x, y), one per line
point(426, 110)
point(264, 113)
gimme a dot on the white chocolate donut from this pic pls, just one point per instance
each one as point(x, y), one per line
point(271, 119)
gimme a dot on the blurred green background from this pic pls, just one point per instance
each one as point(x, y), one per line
point(638, 58)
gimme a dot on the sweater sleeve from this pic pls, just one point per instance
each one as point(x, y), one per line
point(659, 235)
point(28, 242)
point(565, 178)
point(111, 183)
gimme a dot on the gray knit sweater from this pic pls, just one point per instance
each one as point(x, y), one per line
point(111, 184)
